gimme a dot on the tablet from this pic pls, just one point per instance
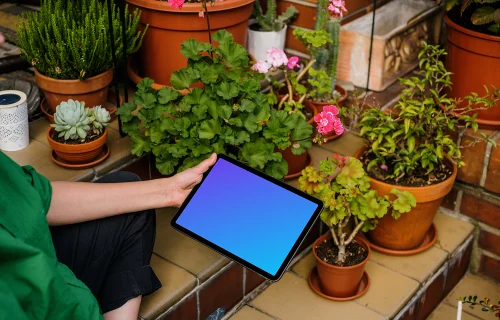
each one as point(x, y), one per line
point(247, 216)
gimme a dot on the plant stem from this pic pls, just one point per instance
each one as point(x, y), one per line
point(353, 234)
point(306, 68)
point(204, 6)
point(334, 236)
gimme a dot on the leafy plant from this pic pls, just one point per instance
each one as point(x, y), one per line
point(71, 40)
point(351, 114)
point(485, 12)
point(75, 122)
point(344, 187)
point(415, 136)
point(270, 21)
point(227, 115)
point(485, 304)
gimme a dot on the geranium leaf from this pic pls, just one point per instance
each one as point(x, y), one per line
point(145, 100)
point(227, 91)
point(222, 36)
point(184, 78)
point(403, 203)
point(246, 105)
point(234, 54)
point(350, 174)
point(208, 129)
point(166, 166)
point(167, 94)
point(254, 154)
point(140, 145)
point(225, 111)
point(145, 84)
point(277, 169)
point(192, 48)
point(131, 127)
point(125, 111)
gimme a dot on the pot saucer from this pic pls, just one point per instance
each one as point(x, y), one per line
point(78, 166)
point(110, 106)
point(429, 240)
point(298, 174)
point(315, 286)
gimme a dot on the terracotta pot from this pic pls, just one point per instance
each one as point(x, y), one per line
point(160, 54)
point(340, 282)
point(77, 153)
point(93, 91)
point(409, 230)
point(339, 89)
point(474, 60)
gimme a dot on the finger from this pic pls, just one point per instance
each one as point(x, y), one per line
point(205, 164)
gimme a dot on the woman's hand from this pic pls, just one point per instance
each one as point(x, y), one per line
point(180, 185)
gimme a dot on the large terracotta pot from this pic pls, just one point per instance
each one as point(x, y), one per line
point(160, 54)
point(340, 282)
point(78, 153)
point(409, 230)
point(474, 59)
point(93, 91)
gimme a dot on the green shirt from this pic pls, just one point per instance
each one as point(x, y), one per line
point(33, 284)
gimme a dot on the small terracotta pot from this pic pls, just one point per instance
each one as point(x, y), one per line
point(474, 60)
point(339, 89)
point(340, 282)
point(409, 230)
point(160, 54)
point(93, 91)
point(77, 153)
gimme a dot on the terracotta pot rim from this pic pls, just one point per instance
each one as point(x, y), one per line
point(77, 148)
point(469, 32)
point(189, 8)
point(72, 81)
point(358, 239)
point(433, 186)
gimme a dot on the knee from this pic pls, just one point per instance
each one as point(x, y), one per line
point(119, 176)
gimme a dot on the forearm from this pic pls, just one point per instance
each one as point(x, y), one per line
point(74, 202)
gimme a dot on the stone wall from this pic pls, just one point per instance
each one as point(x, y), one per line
point(476, 198)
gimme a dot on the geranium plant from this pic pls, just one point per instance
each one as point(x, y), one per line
point(408, 145)
point(344, 187)
point(480, 13)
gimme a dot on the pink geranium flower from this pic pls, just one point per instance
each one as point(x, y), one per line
point(201, 14)
point(337, 8)
point(327, 121)
point(261, 66)
point(331, 109)
point(276, 57)
point(292, 62)
point(176, 3)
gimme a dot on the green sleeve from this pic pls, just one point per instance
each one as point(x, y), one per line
point(9, 304)
point(38, 289)
point(41, 184)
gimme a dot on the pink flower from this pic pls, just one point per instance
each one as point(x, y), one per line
point(201, 14)
point(331, 109)
point(276, 57)
point(337, 7)
point(292, 62)
point(176, 3)
point(261, 66)
point(327, 121)
point(384, 167)
point(338, 127)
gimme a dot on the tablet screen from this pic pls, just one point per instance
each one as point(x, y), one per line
point(248, 216)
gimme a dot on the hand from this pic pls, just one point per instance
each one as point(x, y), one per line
point(2, 39)
point(181, 184)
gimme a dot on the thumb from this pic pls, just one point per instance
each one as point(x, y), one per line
point(205, 164)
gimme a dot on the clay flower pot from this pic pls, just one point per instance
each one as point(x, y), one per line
point(474, 60)
point(77, 153)
point(409, 230)
point(340, 282)
point(93, 91)
point(160, 54)
point(343, 94)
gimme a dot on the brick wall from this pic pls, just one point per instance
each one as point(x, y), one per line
point(476, 198)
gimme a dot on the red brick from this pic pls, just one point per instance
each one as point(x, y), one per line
point(473, 156)
point(432, 296)
point(490, 267)
point(457, 269)
point(489, 242)
point(484, 209)
point(493, 177)
point(449, 199)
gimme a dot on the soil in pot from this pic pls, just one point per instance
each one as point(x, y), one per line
point(91, 136)
point(328, 251)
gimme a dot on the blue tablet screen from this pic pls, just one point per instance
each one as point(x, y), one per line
point(246, 215)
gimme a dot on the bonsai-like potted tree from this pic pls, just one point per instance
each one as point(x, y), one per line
point(269, 29)
point(474, 43)
point(69, 45)
point(78, 134)
point(410, 149)
point(226, 114)
point(344, 187)
point(174, 21)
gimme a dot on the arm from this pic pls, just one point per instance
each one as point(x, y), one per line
point(74, 202)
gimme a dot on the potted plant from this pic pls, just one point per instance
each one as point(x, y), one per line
point(79, 133)
point(344, 187)
point(474, 51)
point(410, 149)
point(69, 46)
point(173, 22)
point(269, 29)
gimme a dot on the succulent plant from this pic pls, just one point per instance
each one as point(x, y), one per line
point(100, 118)
point(72, 120)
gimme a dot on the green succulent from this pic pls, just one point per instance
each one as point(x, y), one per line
point(100, 118)
point(72, 120)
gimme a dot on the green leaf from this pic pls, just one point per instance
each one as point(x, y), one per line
point(250, 86)
point(407, 125)
point(208, 129)
point(200, 111)
point(168, 124)
point(131, 127)
point(227, 91)
point(247, 105)
point(255, 154)
point(277, 169)
point(140, 145)
point(210, 75)
point(212, 109)
point(222, 36)
point(350, 174)
point(145, 100)
point(241, 137)
point(166, 166)
point(483, 15)
point(411, 144)
point(156, 134)
point(225, 111)
point(191, 49)
point(495, 28)
point(177, 150)
point(404, 202)
point(201, 149)
point(125, 111)
point(184, 78)
point(167, 94)
point(302, 130)
point(234, 54)
point(235, 122)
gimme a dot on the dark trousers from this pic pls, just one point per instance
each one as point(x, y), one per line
point(111, 255)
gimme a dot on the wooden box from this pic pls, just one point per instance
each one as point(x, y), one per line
point(400, 26)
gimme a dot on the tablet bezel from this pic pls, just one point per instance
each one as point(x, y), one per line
point(228, 254)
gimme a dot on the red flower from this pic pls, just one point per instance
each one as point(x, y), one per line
point(176, 3)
